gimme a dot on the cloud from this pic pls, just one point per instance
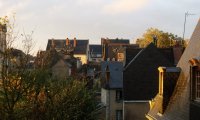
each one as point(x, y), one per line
point(90, 2)
point(124, 6)
point(14, 6)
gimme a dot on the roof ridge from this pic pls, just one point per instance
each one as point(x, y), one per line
point(134, 58)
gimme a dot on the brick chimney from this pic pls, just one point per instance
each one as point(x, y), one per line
point(67, 41)
point(75, 42)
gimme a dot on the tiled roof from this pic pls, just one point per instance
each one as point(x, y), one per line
point(116, 73)
point(141, 74)
point(81, 47)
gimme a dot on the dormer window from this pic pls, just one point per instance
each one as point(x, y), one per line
point(195, 80)
point(195, 83)
point(167, 81)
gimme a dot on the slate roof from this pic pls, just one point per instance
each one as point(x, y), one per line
point(131, 53)
point(141, 74)
point(116, 73)
point(178, 108)
point(95, 49)
point(116, 41)
point(173, 55)
point(81, 47)
point(168, 53)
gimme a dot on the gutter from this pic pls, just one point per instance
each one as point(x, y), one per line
point(136, 101)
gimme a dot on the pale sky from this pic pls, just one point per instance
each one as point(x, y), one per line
point(93, 19)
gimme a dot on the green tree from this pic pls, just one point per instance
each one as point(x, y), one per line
point(164, 39)
point(68, 99)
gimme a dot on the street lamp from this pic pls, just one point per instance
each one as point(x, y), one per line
point(186, 14)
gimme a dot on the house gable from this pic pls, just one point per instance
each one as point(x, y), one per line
point(140, 75)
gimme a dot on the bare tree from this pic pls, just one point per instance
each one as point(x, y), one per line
point(14, 73)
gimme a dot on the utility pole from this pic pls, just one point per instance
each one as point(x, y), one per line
point(186, 15)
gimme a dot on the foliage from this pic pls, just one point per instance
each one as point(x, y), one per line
point(35, 95)
point(27, 93)
point(164, 39)
point(62, 99)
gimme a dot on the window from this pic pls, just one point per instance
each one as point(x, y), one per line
point(120, 56)
point(195, 83)
point(118, 95)
point(118, 114)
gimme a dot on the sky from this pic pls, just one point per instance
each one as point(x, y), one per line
point(94, 19)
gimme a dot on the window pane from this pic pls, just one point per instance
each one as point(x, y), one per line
point(118, 114)
point(197, 85)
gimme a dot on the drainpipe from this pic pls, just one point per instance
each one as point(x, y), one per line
point(109, 106)
point(123, 110)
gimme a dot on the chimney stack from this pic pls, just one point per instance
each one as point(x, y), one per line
point(75, 42)
point(67, 42)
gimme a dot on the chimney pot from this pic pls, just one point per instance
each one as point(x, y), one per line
point(67, 41)
point(75, 42)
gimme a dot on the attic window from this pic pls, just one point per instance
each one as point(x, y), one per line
point(195, 83)
point(197, 86)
